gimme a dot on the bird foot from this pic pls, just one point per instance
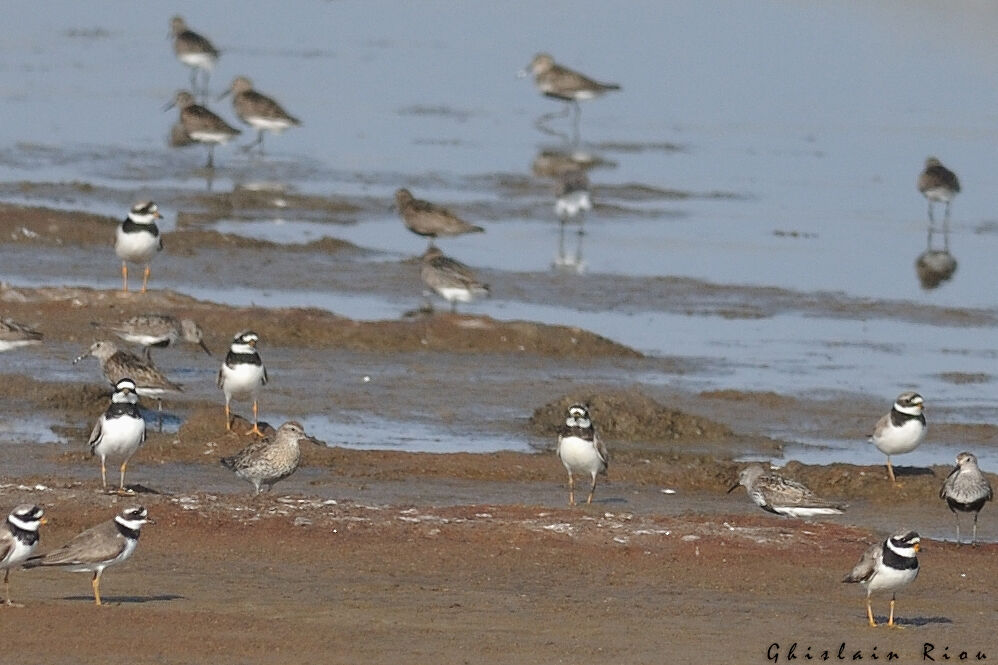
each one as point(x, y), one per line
point(124, 491)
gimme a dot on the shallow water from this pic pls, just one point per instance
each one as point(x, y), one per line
point(757, 163)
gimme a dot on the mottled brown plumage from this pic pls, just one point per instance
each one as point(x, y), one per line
point(429, 220)
point(270, 460)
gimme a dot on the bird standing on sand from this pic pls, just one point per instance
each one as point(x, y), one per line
point(887, 566)
point(581, 449)
point(193, 50)
point(18, 539)
point(938, 183)
point(430, 220)
point(451, 279)
point(258, 111)
point(119, 431)
point(966, 490)
point(901, 430)
point(99, 547)
point(242, 374)
point(138, 240)
point(776, 494)
point(202, 125)
point(267, 461)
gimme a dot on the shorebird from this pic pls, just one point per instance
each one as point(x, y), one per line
point(776, 494)
point(119, 431)
point(572, 202)
point(193, 50)
point(901, 430)
point(562, 83)
point(258, 110)
point(18, 539)
point(887, 566)
point(202, 125)
point(267, 461)
point(138, 240)
point(430, 220)
point(14, 335)
point(117, 365)
point(581, 450)
point(159, 330)
point(938, 183)
point(966, 490)
point(99, 547)
point(451, 279)
point(242, 374)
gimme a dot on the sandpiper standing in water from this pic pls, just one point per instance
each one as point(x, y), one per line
point(193, 50)
point(558, 82)
point(158, 330)
point(430, 220)
point(258, 111)
point(138, 240)
point(938, 183)
point(14, 335)
point(451, 279)
point(202, 125)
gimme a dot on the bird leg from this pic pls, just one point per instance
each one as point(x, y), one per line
point(122, 490)
point(576, 115)
point(957, 518)
point(256, 427)
point(890, 471)
point(890, 619)
point(211, 156)
point(973, 540)
point(869, 613)
point(96, 585)
point(592, 490)
point(946, 215)
point(932, 219)
point(145, 278)
point(103, 474)
point(124, 277)
point(571, 489)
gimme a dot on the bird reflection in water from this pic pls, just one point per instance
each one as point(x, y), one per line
point(935, 266)
point(572, 202)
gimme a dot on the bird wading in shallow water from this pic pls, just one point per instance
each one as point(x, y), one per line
point(258, 110)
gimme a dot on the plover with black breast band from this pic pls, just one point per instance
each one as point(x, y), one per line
point(138, 240)
point(887, 566)
point(581, 450)
point(119, 431)
point(18, 540)
point(902, 429)
point(242, 375)
point(107, 544)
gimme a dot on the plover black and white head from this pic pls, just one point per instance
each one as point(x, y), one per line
point(581, 450)
point(901, 430)
point(99, 547)
point(242, 375)
point(562, 83)
point(18, 539)
point(776, 494)
point(202, 125)
point(119, 431)
point(451, 279)
point(430, 220)
point(938, 184)
point(269, 460)
point(14, 335)
point(887, 566)
point(258, 111)
point(966, 490)
point(158, 330)
point(193, 50)
point(138, 240)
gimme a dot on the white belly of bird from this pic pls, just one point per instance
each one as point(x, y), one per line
point(211, 137)
point(454, 294)
point(13, 344)
point(120, 437)
point(200, 60)
point(891, 579)
point(136, 247)
point(130, 545)
point(243, 380)
point(276, 125)
point(579, 455)
point(897, 440)
point(802, 513)
point(941, 194)
point(17, 554)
